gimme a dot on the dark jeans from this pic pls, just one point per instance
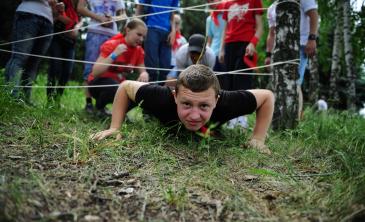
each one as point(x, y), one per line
point(103, 95)
point(21, 69)
point(158, 53)
point(59, 71)
point(234, 53)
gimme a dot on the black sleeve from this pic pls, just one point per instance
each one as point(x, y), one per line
point(232, 104)
point(158, 101)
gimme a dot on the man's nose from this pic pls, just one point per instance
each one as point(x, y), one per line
point(194, 113)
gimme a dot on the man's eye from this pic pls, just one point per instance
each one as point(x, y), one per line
point(204, 106)
point(186, 104)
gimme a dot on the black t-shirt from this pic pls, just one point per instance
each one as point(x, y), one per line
point(159, 101)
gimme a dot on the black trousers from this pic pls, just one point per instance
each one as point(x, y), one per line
point(103, 95)
point(233, 59)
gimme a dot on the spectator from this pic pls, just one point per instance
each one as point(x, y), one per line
point(241, 34)
point(214, 29)
point(308, 37)
point(322, 104)
point(160, 36)
point(197, 99)
point(32, 19)
point(122, 49)
point(97, 33)
point(179, 41)
point(194, 52)
point(62, 46)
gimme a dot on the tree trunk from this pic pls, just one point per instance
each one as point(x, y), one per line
point(334, 98)
point(350, 71)
point(285, 75)
point(314, 80)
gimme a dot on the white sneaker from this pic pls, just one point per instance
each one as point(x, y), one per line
point(243, 122)
point(232, 123)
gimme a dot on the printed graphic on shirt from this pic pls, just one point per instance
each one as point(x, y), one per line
point(238, 11)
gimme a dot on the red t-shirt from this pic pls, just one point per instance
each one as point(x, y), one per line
point(133, 56)
point(241, 23)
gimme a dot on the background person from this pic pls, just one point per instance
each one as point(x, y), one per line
point(194, 52)
point(120, 50)
point(62, 46)
point(97, 34)
point(32, 19)
point(160, 36)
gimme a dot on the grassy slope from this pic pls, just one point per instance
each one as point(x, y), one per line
point(50, 170)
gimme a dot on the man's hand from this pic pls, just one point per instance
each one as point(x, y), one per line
point(310, 48)
point(106, 133)
point(107, 21)
point(120, 49)
point(267, 63)
point(259, 145)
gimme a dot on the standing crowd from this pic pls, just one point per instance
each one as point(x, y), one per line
point(151, 47)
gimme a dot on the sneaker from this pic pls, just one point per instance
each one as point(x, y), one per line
point(89, 108)
point(242, 122)
point(103, 113)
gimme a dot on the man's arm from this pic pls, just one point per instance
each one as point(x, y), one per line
point(84, 11)
point(265, 108)
point(172, 36)
point(127, 91)
point(310, 48)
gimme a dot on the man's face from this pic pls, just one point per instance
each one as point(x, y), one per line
point(195, 108)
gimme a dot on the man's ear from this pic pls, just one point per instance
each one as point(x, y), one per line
point(174, 93)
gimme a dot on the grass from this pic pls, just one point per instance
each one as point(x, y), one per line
point(52, 171)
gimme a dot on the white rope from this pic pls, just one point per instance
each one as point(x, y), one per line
point(115, 19)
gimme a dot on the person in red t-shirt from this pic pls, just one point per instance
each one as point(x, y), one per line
point(242, 32)
point(124, 50)
point(238, 46)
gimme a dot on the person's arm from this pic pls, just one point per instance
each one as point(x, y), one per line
point(143, 74)
point(269, 45)
point(99, 69)
point(84, 11)
point(172, 36)
point(310, 48)
point(251, 47)
point(265, 108)
point(221, 50)
point(139, 10)
point(127, 91)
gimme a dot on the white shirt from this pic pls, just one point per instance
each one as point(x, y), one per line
point(322, 105)
point(183, 59)
point(305, 6)
point(40, 8)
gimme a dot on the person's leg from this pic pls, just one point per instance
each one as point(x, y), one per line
point(40, 47)
point(241, 81)
point(92, 51)
point(151, 47)
point(103, 95)
point(164, 55)
point(302, 66)
point(21, 30)
point(68, 53)
point(54, 67)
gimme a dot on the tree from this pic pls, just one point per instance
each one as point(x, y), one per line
point(285, 75)
point(336, 54)
point(351, 75)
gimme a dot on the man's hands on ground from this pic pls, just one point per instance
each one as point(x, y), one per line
point(106, 133)
point(259, 145)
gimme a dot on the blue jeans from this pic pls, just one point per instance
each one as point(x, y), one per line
point(302, 65)
point(21, 69)
point(158, 53)
point(59, 71)
point(92, 50)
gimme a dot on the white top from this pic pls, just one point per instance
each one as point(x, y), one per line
point(322, 105)
point(40, 7)
point(104, 7)
point(183, 59)
point(305, 6)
